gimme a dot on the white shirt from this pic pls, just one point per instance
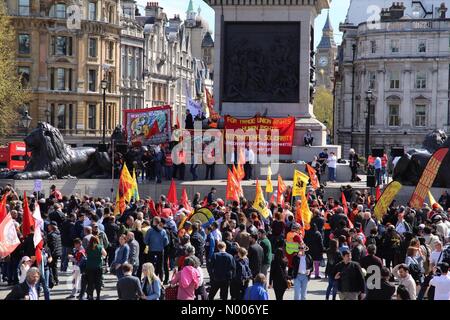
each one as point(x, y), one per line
point(302, 265)
point(400, 228)
point(217, 235)
point(32, 293)
point(332, 161)
point(436, 257)
point(249, 156)
point(442, 285)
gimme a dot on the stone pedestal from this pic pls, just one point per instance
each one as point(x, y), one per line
point(263, 61)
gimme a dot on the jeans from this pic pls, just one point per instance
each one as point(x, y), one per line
point(64, 258)
point(193, 171)
point(332, 288)
point(331, 174)
point(378, 176)
point(300, 287)
point(44, 283)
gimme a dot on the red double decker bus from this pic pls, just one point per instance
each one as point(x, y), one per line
point(12, 155)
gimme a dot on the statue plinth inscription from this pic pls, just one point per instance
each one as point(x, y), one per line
point(262, 62)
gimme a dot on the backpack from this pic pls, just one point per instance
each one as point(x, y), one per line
point(415, 272)
point(244, 272)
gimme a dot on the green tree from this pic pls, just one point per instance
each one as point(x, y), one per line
point(323, 106)
point(12, 95)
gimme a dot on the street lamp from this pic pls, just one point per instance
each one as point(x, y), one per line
point(104, 85)
point(26, 121)
point(367, 113)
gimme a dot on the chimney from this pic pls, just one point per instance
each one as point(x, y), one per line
point(175, 22)
point(152, 9)
point(395, 12)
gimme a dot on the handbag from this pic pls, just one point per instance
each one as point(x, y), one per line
point(171, 292)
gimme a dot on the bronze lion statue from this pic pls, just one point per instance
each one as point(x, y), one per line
point(51, 157)
point(409, 168)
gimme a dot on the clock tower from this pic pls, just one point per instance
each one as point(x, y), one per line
point(325, 56)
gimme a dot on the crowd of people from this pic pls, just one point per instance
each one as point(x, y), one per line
point(157, 251)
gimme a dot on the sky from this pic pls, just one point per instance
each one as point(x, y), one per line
point(338, 12)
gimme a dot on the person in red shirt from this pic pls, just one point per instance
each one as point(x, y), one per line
point(166, 211)
point(55, 193)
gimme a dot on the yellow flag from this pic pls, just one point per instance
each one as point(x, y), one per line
point(135, 187)
point(306, 212)
point(300, 183)
point(117, 207)
point(269, 186)
point(432, 200)
point(126, 183)
point(386, 198)
point(260, 203)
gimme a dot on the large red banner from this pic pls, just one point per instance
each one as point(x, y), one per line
point(249, 126)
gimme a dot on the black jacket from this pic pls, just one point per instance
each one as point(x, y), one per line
point(314, 241)
point(358, 253)
point(333, 258)
point(223, 266)
point(112, 232)
point(352, 278)
point(198, 243)
point(57, 216)
point(19, 291)
point(278, 274)
point(54, 243)
point(296, 264)
point(386, 292)
point(334, 223)
point(67, 233)
point(256, 258)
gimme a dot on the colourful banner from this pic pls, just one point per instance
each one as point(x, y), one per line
point(149, 126)
point(386, 199)
point(260, 203)
point(284, 125)
point(427, 178)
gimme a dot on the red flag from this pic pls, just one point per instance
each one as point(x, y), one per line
point(8, 236)
point(377, 193)
point(205, 202)
point(152, 208)
point(28, 220)
point(3, 211)
point(369, 201)
point(240, 171)
point(281, 189)
point(38, 252)
point(177, 123)
point(185, 200)
point(172, 194)
point(232, 187)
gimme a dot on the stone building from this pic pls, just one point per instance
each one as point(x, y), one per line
point(64, 50)
point(132, 86)
point(403, 56)
point(325, 56)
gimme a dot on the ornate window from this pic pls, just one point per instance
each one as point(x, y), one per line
point(394, 80)
point(61, 45)
point(92, 15)
point(24, 44)
point(93, 47)
point(395, 45)
point(394, 115)
point(92, 116)
point(422, 47)
point(24, 7)
point(420, 115)
point(421, 80)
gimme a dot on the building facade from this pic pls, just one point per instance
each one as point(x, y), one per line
point(132, 85)
point(403, 58)
point(64, 50)
point(325, 56)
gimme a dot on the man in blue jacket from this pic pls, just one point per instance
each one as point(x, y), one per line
point(257, 290)
point(156, 239)
point(223, 268)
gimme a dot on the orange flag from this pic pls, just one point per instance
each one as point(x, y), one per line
point(281, 189)
point(313, 176)
point(172, 194)
point(232, 187)
point(240, 171)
